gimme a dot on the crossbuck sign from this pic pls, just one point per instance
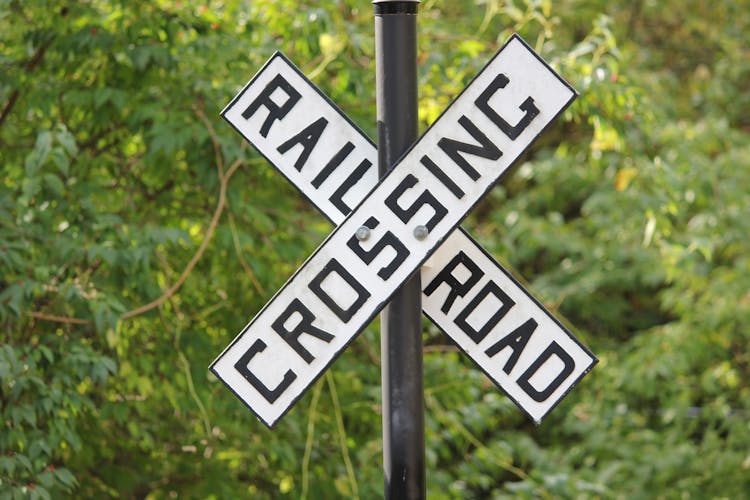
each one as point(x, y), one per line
point(387, 230)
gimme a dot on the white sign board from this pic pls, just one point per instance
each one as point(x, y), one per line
point(306, 137)
point(458, 254)
point(347, 281)
point(501, 327)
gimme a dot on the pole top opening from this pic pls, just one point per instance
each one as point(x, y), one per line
point(395, 7)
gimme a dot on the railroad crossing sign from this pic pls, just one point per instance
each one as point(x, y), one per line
point(389, 229)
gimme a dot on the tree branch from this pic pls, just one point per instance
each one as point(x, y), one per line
point(199, 253)
point(224, 178)
point(238, 250)
point(35, 60)
point(9, 105)
point(59, 319)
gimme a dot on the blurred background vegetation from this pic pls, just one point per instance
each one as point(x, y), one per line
point(138, 236)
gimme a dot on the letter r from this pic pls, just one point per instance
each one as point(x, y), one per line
point(275, 112)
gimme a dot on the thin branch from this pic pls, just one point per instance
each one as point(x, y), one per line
point(186, 369)
point(342, 435)
point(33, 63)
point(313, 413)
point(9, 105)
point(199, 253)
point(447, 419)
point(232, 168)
point(224, 182)
point(59, 319)
point(214, 137)
point(185, 273)
point(224, 178)
point(364, 343)
point(238, 250)
point(92, 140)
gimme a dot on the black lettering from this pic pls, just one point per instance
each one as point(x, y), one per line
point(483, 103)
point(305, 325)
point(442, 177)
point(308, 138)
point(568, 366)
point(362, 294)
point(241, 366)
point(337, 198)
point(517, 341)
point(426, 198)
point(333, 164)
point(454, 148)
point(388, 240)
point(478, 335)
point(457, 289)
point(275, 112)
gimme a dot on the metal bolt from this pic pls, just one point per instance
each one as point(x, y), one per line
point(363, 232)
point(421, 232)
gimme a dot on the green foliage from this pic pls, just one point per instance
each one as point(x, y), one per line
point(138, 234)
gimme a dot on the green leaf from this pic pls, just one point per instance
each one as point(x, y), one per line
point(39, 155)
point(46, 478)
point(64, 476)
point(61, 161)
point(54, 183)
point(47, 353)
point(23, 459)
point(68, 142)
point(7, 465)
point(41, 492)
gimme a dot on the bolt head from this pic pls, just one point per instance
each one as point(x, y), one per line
point(362, 233)
point(421, 232)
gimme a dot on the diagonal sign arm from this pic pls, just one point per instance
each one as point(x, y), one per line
point(300, 332)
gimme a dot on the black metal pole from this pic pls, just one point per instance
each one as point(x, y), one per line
point(401, 320)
